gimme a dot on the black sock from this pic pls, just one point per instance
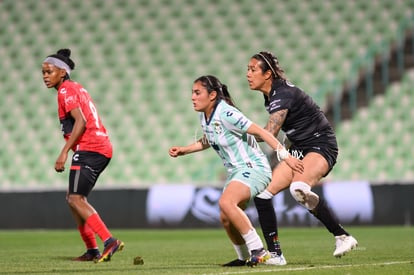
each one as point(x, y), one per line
point(93, 251)
point(108, 241)
point(324, 214)
point(268, 223)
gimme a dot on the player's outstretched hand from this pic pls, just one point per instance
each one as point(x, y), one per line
point(176, 151)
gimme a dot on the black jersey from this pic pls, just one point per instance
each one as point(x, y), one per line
point(305, 121)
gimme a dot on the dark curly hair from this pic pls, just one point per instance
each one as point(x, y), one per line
point(64, 55)
point(270, 62)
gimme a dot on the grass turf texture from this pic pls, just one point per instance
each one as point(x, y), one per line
point(381, 250)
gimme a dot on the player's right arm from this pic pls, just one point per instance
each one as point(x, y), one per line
point(197, 146)
point(274, 123)
point(77, 131)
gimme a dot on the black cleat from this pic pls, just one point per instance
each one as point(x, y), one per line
point(235, 262)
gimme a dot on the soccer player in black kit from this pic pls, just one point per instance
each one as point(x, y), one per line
point(312, 139)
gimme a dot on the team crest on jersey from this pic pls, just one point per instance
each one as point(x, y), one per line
point(217, 128)
point(69, 99)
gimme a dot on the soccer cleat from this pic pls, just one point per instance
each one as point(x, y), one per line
point(236, 262)
point(258, 256)
point(109, 250)
point(276, 259)
point(87, 257)
point(309, 199)
point(344, 244)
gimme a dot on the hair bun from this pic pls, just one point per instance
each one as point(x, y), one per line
point(64, 52)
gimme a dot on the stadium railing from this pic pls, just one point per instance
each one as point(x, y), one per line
point(364, 66)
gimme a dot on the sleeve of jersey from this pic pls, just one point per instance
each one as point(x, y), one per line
point(280, 101)
point(235, 121)
point(70, 100)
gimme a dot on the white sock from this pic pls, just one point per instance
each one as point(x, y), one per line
point(241, 251)
point(253, 241)
point(265, 195)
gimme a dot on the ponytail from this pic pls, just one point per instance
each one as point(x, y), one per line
point(212, 83)
point(227, 96)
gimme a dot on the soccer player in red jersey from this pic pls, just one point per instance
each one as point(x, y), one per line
point(85, 134)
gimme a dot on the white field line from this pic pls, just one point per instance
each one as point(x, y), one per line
point(282, 269)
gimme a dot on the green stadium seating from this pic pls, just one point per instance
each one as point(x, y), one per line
point(138, 60)
point(376, 144)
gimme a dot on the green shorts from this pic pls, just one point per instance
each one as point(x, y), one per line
point(257, 181)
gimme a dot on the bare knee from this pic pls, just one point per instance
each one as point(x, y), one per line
point(228, 204)
point(224, 220)
point(225, 205)
point(75, 201)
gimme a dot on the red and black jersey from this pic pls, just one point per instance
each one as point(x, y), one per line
point(72, 95)
point(304, 121)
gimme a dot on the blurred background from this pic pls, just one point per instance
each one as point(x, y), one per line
point(138, 60)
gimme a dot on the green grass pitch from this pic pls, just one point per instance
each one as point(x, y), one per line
point(381, 250)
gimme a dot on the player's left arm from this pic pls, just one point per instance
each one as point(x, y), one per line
point(77, 131)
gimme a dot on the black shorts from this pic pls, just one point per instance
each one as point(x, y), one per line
point(85, 170)
point(325, 145)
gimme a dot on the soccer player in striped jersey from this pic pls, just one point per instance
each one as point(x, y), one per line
point(231, 135)
point(86, 136)
point(312, 139)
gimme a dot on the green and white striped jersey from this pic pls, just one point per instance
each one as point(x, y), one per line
point(226, 132)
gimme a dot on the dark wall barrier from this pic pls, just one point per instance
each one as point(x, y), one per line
point(184, 206)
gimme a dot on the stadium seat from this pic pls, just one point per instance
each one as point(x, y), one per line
point(138, 61)
point(380, 141)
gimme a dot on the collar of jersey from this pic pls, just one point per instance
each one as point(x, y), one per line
point(208, 120)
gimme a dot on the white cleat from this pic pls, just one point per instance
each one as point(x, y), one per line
point(276, 259)
point(344, 244)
